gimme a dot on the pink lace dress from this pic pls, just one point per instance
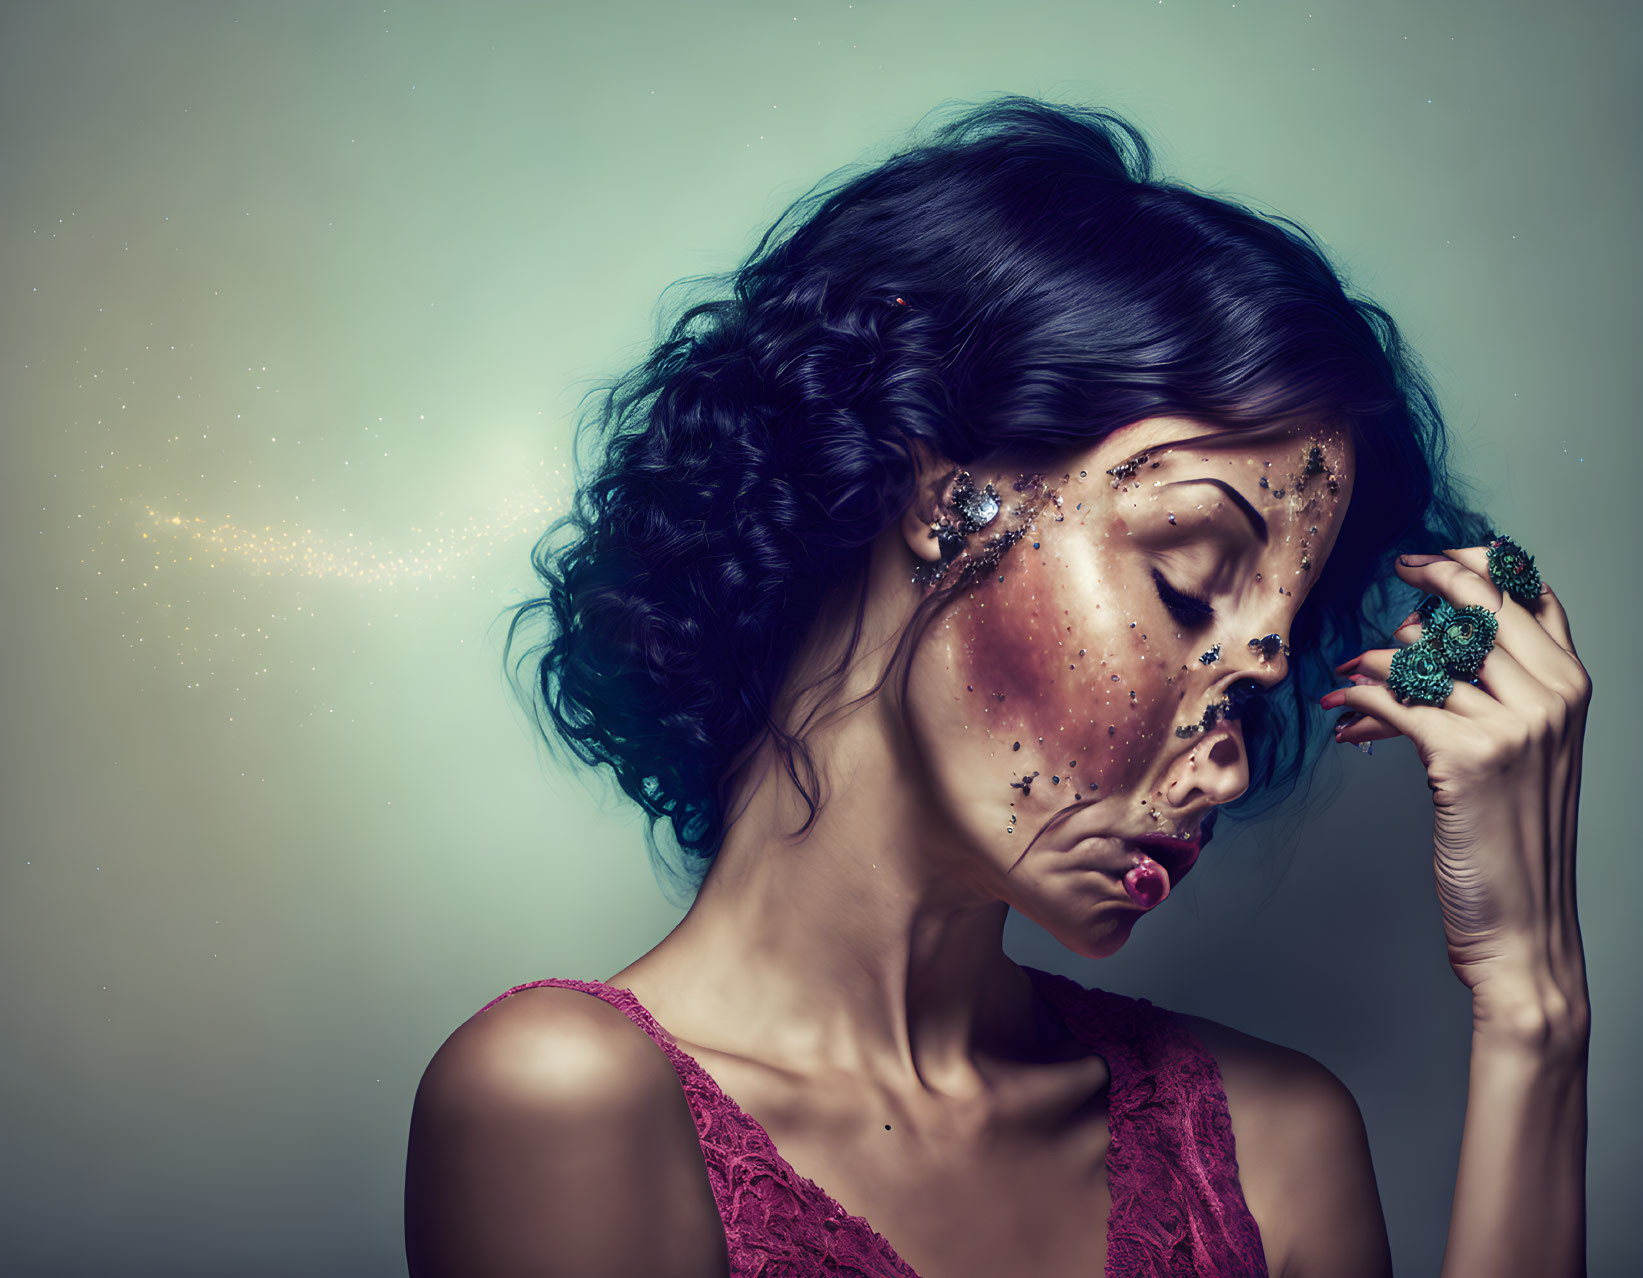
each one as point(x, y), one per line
point(1177, 1208)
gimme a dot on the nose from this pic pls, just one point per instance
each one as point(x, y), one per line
point(1213, 767)
point(1211, 771)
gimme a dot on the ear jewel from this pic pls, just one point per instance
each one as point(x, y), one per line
point(975, 509)
point(949, 540)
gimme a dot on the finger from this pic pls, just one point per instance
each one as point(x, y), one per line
point(1413, 721)
point(1355, 726)
point(1462, 577)
point(1358, 728)
point(1548, 610)
point(1505, 679)
point(1464, 698)
point(1509, 689)
point(1454, 575)
point(1545, 607)
point(1410, 629)
point(1406, 631)
point(1457, 578)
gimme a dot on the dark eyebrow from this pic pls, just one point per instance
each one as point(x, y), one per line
point(1238, 499)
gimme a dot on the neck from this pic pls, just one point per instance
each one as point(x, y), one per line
point(863, 946)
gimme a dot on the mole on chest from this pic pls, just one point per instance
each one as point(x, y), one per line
point(1007, 1202)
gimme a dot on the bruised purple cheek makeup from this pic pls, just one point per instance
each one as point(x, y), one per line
point(1052, 655)
point(1029, 662)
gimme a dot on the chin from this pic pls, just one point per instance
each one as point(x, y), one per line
point(1098, 941)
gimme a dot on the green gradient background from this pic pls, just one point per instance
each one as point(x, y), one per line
point(270, 835)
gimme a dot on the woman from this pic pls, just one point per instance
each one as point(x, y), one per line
point(998, 530)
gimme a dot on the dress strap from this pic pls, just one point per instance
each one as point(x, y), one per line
point(1172, 1168)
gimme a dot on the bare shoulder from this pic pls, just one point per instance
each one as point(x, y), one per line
point(1303, 1157)
point(544, 1130)
point(549, 1041)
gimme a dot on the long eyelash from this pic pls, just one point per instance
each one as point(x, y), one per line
point(1187, 609)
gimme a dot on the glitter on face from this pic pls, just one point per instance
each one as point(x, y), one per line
point(1124, 633)
point(1126, 469)
point(1213, 714)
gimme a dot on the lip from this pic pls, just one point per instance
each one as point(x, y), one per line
point(1177, 856)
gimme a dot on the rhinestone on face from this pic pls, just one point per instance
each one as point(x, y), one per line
point(1417, 675)
point(1269, 646)
point(1125, 470)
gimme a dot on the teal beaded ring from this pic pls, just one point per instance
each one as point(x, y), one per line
point(1462, 636)
point(1418, 676)
point(1513, 570)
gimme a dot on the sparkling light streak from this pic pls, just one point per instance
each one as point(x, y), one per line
point(424, 555)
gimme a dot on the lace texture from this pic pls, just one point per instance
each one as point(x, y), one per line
point(1177, 1209)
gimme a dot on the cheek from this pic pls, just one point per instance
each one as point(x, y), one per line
point(1017, 636)
point(1038, 660)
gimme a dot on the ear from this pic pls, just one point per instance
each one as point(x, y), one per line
point(931, 491)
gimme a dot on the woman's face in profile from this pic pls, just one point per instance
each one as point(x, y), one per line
point(1088, 682)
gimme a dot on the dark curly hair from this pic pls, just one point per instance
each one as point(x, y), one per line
point(1019, 285)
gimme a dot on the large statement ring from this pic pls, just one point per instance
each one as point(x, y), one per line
point(1513, 570)
point(1418, 676)
point(1462, 636)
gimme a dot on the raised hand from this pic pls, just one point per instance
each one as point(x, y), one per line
point(1503, 760)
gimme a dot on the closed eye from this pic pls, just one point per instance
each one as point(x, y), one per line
point(1188, 610)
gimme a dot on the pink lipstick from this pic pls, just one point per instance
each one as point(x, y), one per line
point(1147, 882)
point(1173, 856)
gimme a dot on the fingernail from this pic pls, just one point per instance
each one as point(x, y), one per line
point(1349, 665)
point(1416, 561)
point(1361, 679)
point(1410, 620)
